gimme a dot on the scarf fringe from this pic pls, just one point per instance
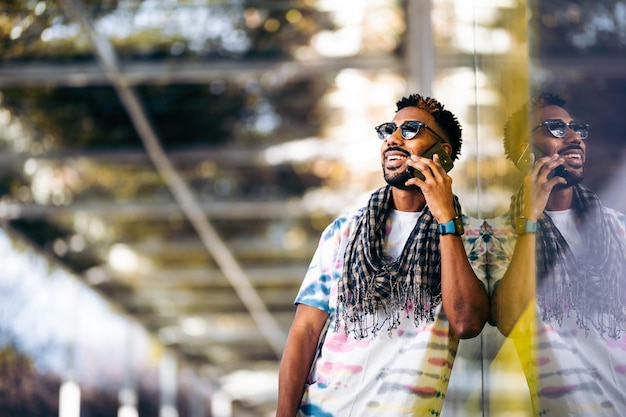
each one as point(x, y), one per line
point(375, 294)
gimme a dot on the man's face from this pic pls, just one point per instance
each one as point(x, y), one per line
point(571, 147)
point(395, 149)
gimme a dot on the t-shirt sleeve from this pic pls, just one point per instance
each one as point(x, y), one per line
point(619, 219)
point(475, 243)
point(319, 286)
point(500, 247)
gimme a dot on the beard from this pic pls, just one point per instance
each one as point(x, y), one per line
point(572, 178)
point(397, 179)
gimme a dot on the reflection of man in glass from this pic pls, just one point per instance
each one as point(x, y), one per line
point(559, 246)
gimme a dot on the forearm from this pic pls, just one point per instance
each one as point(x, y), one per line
point(297, 358)
point(517, 288)
point(464, 299)
point(294, 368)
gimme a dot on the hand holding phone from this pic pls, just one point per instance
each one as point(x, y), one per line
point(444, 160)
point(525, 162)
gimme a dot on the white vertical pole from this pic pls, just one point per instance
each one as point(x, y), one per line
point(127, 396)
point(69, 393)
point(168, 385)
point(69, 399)
point(221, 405)
point(420, 55)
point(128, 403)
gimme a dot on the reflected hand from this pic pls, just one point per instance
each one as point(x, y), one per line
point(538, 185)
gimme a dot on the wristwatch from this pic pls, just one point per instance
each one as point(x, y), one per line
point(524, 226)
point(453, 227)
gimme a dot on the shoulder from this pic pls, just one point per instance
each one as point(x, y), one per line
point(472, 222)
point(500, 236)
point(503, 221)
point(474, 228)
point(618, 218)
point(342, 224)
point(500, 227)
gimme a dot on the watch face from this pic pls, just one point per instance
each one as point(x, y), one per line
point(523, 226)
point(458, 225)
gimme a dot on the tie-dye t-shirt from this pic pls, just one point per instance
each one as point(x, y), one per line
point(402, 373)
point(577, 373)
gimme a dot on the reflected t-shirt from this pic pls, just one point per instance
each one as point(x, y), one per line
point(565, 221)
point(579, 372)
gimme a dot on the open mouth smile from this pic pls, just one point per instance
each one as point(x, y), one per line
point(572, 157)
point(395, 158)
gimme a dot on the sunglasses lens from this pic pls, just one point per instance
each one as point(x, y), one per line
point(409, 130)
point(385, 130)
point(580, 128)
point(556, 127)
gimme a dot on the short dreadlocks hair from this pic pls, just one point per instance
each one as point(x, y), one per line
point(446, 121)
point(517, 127)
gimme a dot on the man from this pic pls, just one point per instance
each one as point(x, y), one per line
point(558, 252)
point(392, 284)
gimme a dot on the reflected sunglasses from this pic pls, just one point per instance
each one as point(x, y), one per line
point(408, 130)
point(558, 128)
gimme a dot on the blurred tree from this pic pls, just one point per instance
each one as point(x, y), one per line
point(19, 381)
point(183, 115)
point(580, 27)
point(160, 29)
point(26, 393)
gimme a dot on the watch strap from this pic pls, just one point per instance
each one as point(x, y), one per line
point(524, 226)
point(452, 227)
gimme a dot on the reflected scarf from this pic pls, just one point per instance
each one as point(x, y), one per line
point(591, 285)
point(373, 290)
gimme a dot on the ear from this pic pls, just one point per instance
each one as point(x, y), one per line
point(447, 147)
point(521, 148)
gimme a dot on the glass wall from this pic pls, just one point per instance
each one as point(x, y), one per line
point(492, 57)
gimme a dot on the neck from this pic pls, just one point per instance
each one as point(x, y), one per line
point(410, 200)
point(561, 199)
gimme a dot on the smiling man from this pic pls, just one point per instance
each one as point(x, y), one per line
point(560, 255)
point(390, 290)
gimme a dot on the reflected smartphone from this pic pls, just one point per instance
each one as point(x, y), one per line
point(444, 159)
point(525, 161)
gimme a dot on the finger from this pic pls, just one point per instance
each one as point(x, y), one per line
point(421, 164)
point(556, 180)
point(414, 181)
point(546, 167)
point(437, 162)
point(433, 167)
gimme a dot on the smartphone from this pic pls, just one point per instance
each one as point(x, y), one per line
point(525, 162)
point(444, 160)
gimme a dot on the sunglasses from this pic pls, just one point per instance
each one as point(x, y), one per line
point(408, 130)
point(558, 128)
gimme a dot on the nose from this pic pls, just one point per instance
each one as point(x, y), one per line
point(571, 136)
point(395, 138)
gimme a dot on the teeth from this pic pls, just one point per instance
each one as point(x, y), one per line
point(395, 157)
point(572, 155)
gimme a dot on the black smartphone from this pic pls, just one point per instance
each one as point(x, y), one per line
point(444, 160)
point(525, 162)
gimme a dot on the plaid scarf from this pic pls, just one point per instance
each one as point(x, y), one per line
point(374, 290)
point(591, 285)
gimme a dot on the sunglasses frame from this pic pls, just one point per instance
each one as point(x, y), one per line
point(413, 123)
point(584, 134)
